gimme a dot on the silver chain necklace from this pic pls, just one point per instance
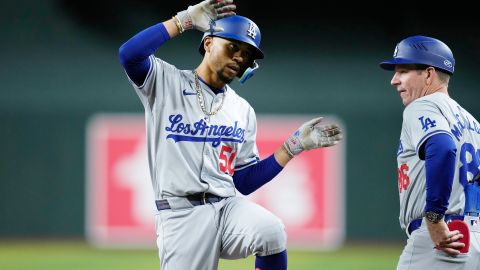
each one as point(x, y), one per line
point(201, 98)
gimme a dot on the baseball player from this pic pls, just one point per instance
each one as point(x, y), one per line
point(201, 142)
point(438, 161)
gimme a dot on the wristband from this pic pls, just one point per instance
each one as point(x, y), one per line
point(178, 24)
point(285, 149)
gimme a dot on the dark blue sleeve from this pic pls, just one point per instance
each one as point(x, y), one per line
point(251, 178)
point(134, 53)
point(440, 155)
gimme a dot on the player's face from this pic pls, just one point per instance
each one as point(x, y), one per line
point(409, 82)
point(229, 57)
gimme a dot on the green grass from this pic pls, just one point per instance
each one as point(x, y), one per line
point(76, 255)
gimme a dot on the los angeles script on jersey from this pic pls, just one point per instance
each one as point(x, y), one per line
point(200, 131)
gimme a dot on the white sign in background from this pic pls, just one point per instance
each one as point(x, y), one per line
point(308, 195)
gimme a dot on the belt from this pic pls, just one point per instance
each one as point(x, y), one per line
point(195, 199)
point(416, 223)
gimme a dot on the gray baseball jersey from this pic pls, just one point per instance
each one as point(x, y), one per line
point(189, 152)
point(424, 117)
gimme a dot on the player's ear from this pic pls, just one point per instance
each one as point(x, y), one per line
point(431, 72)
point(208, 43)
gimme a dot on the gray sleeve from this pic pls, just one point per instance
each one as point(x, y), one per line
point(159, 79)
point(424, 119)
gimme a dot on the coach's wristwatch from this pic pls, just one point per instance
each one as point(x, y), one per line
point(433, 217)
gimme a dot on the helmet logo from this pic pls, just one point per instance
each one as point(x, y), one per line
point(252, 31)
point(447, 63)
point(396, 51)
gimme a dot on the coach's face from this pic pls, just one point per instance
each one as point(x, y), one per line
point(227, 57)
point(411, 83)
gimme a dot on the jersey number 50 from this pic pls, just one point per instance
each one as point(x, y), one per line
point(227, 156)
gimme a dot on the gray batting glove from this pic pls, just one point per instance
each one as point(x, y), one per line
point(310, 136)
point(200, 16)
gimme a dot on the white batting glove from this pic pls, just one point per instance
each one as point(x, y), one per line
point(310, 136)
point(201, 15)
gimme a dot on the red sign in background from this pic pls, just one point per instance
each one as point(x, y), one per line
point(308, 195)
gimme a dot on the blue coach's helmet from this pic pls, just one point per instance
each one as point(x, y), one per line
point(422, 50)
point(237, 28)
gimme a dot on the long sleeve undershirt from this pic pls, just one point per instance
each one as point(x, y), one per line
point(440, 155)
point(251, 178)
point(135, 52)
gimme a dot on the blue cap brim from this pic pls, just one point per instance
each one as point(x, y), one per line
point(391, 63)
point(257, 53)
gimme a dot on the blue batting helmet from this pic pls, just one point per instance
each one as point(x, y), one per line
point(424, 51)
point(241, 29)
point(237, 28)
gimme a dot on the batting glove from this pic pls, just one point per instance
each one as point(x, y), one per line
point(310, 136)
point(200, 16)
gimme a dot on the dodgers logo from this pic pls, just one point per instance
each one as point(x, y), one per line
point(200, 131)
point(427, 123)
point(400, 148)
point(252, 32)
point(396, 51)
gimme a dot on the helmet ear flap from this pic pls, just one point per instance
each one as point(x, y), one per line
point(249, 72)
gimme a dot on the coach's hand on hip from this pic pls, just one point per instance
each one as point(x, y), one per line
point(444, 239)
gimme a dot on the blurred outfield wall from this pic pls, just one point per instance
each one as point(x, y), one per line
point(56, 73)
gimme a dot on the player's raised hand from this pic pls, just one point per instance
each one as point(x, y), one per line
point(310, 135)
point(201, 16)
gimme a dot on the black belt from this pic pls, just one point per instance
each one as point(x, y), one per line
point(195, 200)
point(416, 223)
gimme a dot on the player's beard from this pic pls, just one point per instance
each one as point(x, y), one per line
point(224, 78)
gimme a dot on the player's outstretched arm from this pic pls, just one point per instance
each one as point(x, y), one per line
point(135, 52)
point(308, 136)
point(200, 16)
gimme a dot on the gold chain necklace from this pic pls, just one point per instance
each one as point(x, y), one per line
point(201, 98)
